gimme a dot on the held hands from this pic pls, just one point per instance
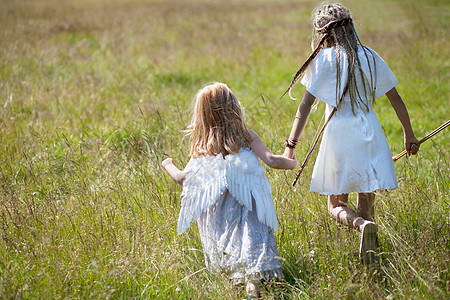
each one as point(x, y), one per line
point(293, 160)
point(289, 153)
point(411, 145)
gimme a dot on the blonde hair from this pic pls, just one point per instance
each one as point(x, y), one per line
point(217, 125)
point(333, 26)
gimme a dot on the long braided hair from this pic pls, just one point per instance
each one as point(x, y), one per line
point(333, 26)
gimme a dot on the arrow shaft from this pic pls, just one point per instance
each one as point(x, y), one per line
point(434, 132)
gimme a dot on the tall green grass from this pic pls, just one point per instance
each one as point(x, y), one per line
point(94, 94)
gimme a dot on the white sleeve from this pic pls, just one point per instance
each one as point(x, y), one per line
point(320, 77)
point(385, 79)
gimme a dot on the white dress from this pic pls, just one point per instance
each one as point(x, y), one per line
point(354, 155)
point(231, 199)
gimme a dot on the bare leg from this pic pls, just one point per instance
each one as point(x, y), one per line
point(338, 209)
point(365, 206)
point(361, 221)
point(252, 289)
point(368, 244)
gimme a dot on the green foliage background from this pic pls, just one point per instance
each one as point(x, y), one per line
point(95, 94)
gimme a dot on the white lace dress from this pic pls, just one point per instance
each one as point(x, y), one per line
point(231, 200)
point(354, 155)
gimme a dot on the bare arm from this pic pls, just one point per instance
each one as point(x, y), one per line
point(304, 108)
point(173, 171)
point(397, 103)
point(270, 159)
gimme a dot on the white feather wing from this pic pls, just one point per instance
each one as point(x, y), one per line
point(209, 177)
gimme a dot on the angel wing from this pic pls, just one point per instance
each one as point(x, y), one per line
point(209, 177)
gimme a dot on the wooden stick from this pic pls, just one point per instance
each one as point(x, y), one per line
point(312, 147)
point(434, 132)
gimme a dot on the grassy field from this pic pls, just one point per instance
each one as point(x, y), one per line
point(95, 94)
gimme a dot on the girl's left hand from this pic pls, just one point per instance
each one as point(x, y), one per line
point(411, 145)
point(166, 162)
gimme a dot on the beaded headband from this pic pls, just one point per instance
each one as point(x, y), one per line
point(335, 24)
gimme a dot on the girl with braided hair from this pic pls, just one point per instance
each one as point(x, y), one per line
point(354, 155)
point(226, 192)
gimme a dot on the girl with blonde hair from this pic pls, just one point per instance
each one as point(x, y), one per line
point(226, 191)
point(354, 155)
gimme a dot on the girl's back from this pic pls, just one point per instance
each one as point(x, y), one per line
point(354, 155)
point(321, 79)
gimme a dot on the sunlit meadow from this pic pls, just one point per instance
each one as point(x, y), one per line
point(95, 94)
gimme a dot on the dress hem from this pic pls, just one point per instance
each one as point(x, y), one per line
point(355, 191)
point(262, 275)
